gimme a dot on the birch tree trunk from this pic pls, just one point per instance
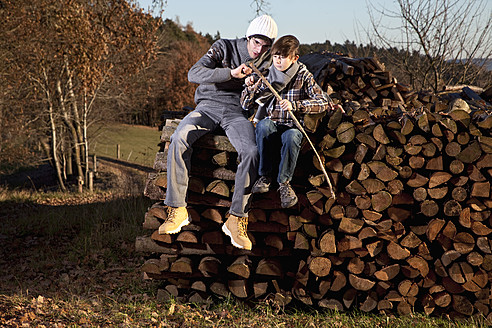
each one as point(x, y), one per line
point(54, 154)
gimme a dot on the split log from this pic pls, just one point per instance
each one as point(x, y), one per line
point(238, 288)
point(360, 283)
point(241, 267)
point(320, 266)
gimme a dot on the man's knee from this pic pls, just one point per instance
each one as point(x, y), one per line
point(193, 126)
point(186, 135)
point(179, 139)
point(249, 153)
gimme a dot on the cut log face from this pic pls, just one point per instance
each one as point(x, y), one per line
point(374, 248)
point(269, 267)
point(420, 264)
point(381, 200)
point(320, 266)
point(350, 226)
point(359, 283)
point(439, 178)
point(238, 288)
point(218, 187)
point(241, 267)
point(429, 208)
point(331, 304)
point(154, 266)
point(417, 180)
point(187, 237)
point(388, 273)
point(327, 242)
point(464, 243)
point(380, 135)
point(462, 305)
point(397, 252)
point(209, 266)
point(411, 240)
point(219, 289)
point(260, 288)
point(182, 265)
point(345, 132)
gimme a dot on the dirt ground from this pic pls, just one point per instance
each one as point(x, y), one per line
point(43, 264)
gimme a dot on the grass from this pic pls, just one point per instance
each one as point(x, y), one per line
point(100, 312)
point(138, 144)
point(93, 222)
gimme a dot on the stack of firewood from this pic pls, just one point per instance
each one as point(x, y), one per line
point(409, 229)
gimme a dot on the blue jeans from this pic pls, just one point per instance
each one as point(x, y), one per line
point(205, 118)
point(273, 140)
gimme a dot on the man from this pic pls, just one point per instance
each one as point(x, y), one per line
point(220, 74)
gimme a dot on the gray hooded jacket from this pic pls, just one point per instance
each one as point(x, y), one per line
point(213, 72)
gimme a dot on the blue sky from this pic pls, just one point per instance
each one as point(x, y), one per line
point(309, 20)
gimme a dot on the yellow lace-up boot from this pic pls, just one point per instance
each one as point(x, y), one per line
point(236, 228)
point(177, 217)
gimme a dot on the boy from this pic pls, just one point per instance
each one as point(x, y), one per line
point(275, 128)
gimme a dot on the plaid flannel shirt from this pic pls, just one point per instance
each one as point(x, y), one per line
point(302, 91)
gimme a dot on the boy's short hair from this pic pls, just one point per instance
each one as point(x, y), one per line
point(286, 46)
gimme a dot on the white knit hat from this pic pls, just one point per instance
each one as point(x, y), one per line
point(263, 25)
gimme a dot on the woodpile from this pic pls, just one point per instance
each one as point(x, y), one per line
point(409, 229)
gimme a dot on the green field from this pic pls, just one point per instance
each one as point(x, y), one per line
point(138, 144)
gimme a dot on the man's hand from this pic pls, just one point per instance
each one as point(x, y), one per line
point(241, 71)
point(286, 105)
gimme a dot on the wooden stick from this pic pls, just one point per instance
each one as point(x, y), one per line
point(299, 126)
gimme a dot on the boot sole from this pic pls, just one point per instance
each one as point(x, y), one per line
point(228, 233)
point(260, 191)
point(178, 229)
point(288, 205)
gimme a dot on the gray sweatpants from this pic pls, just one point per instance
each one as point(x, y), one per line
point(241, 134)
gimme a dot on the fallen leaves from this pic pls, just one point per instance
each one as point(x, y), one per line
point(170, 311)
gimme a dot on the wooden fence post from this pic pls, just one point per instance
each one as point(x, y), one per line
point(94, 163)
point(80, 183)
point(69, 164)
point(91, 181)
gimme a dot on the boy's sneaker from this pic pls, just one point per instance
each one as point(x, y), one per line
point(288, 197)
point(261, 185)
point(236, 228)
point(177, 217)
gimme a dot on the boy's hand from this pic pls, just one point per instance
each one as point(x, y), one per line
point(286, 105)
point(339, 106)
point(250, 81)
point(241, 71)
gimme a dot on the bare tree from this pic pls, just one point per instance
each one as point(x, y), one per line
point(64, 51)
point(435, 42)
point(261, 6)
